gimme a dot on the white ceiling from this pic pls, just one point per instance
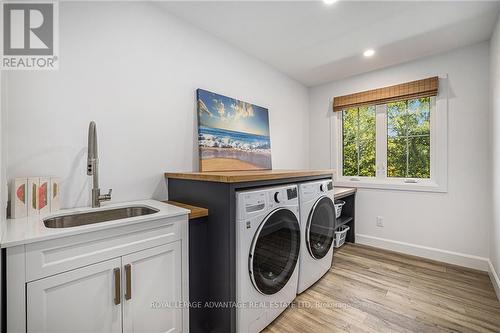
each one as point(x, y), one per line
point(314, 43)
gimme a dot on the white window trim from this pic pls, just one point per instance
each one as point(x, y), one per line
point(438, 181)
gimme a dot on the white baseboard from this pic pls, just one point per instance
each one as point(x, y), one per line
point(495, 280)
point(455, 258)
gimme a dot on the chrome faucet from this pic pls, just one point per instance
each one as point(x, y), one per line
point(93, 168)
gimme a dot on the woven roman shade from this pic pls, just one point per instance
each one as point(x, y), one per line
point(415, 89)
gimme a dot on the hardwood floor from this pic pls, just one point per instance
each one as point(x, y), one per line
point(372, 290)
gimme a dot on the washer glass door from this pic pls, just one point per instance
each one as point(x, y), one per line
point(275, 251)
point(320, 229)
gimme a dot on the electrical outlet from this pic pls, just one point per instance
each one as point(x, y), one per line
point(380, 221)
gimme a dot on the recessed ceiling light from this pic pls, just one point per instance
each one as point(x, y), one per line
point(329, 2)
point(368, 53)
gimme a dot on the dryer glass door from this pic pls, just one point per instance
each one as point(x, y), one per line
point(320, 229)
point(275, 251)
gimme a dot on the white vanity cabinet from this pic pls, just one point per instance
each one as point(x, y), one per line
point(125, 278)
point(80, 300)
point(152, 295)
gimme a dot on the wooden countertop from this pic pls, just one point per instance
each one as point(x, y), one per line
point(195, 212)
point(340, 192)
point(246, 176)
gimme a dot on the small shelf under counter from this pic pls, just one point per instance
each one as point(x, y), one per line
point(343, 220)
point(348, 195)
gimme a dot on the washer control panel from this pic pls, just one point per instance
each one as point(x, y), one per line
point(292, 193)
point(277, 197)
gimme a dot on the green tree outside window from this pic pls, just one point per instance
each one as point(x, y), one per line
point(359, 133)
point(408, 138)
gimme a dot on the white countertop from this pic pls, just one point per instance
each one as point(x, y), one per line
point(31, 229)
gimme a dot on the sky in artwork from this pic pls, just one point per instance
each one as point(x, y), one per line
point(227, 113)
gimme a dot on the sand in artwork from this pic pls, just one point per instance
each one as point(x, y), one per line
point(227, 164)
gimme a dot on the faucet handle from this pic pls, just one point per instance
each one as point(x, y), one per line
point(90, 167)
point(106, 197)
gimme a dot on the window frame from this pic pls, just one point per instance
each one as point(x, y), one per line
point(438, 147)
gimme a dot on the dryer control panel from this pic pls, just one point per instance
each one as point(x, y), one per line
point(254, 202)
point(310, 191)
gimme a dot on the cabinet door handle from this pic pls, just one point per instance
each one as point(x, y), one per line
point(117, 299)
point(128, 279)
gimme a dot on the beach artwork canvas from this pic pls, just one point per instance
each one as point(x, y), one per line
point(232, 135)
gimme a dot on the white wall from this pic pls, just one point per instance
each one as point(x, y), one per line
point(3, 193)
point(495, 135)
point(3, 149)
point(450, 226)
point(134, 69)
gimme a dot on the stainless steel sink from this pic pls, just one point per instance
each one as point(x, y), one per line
point(78, 219)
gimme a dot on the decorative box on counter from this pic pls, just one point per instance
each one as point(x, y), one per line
point(43, 196)
point(34, 196)
point(18, 198)
point(33, 183)
point(55, 202)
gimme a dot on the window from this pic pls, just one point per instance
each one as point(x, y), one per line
point(409, 138)
point(392, 137)
point(392, 145)
point(358, 126)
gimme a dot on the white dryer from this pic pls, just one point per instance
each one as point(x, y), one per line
point(267, 254)
point(317, 220)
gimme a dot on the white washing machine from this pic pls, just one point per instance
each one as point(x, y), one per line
point(267, 255)
point(317, 224)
